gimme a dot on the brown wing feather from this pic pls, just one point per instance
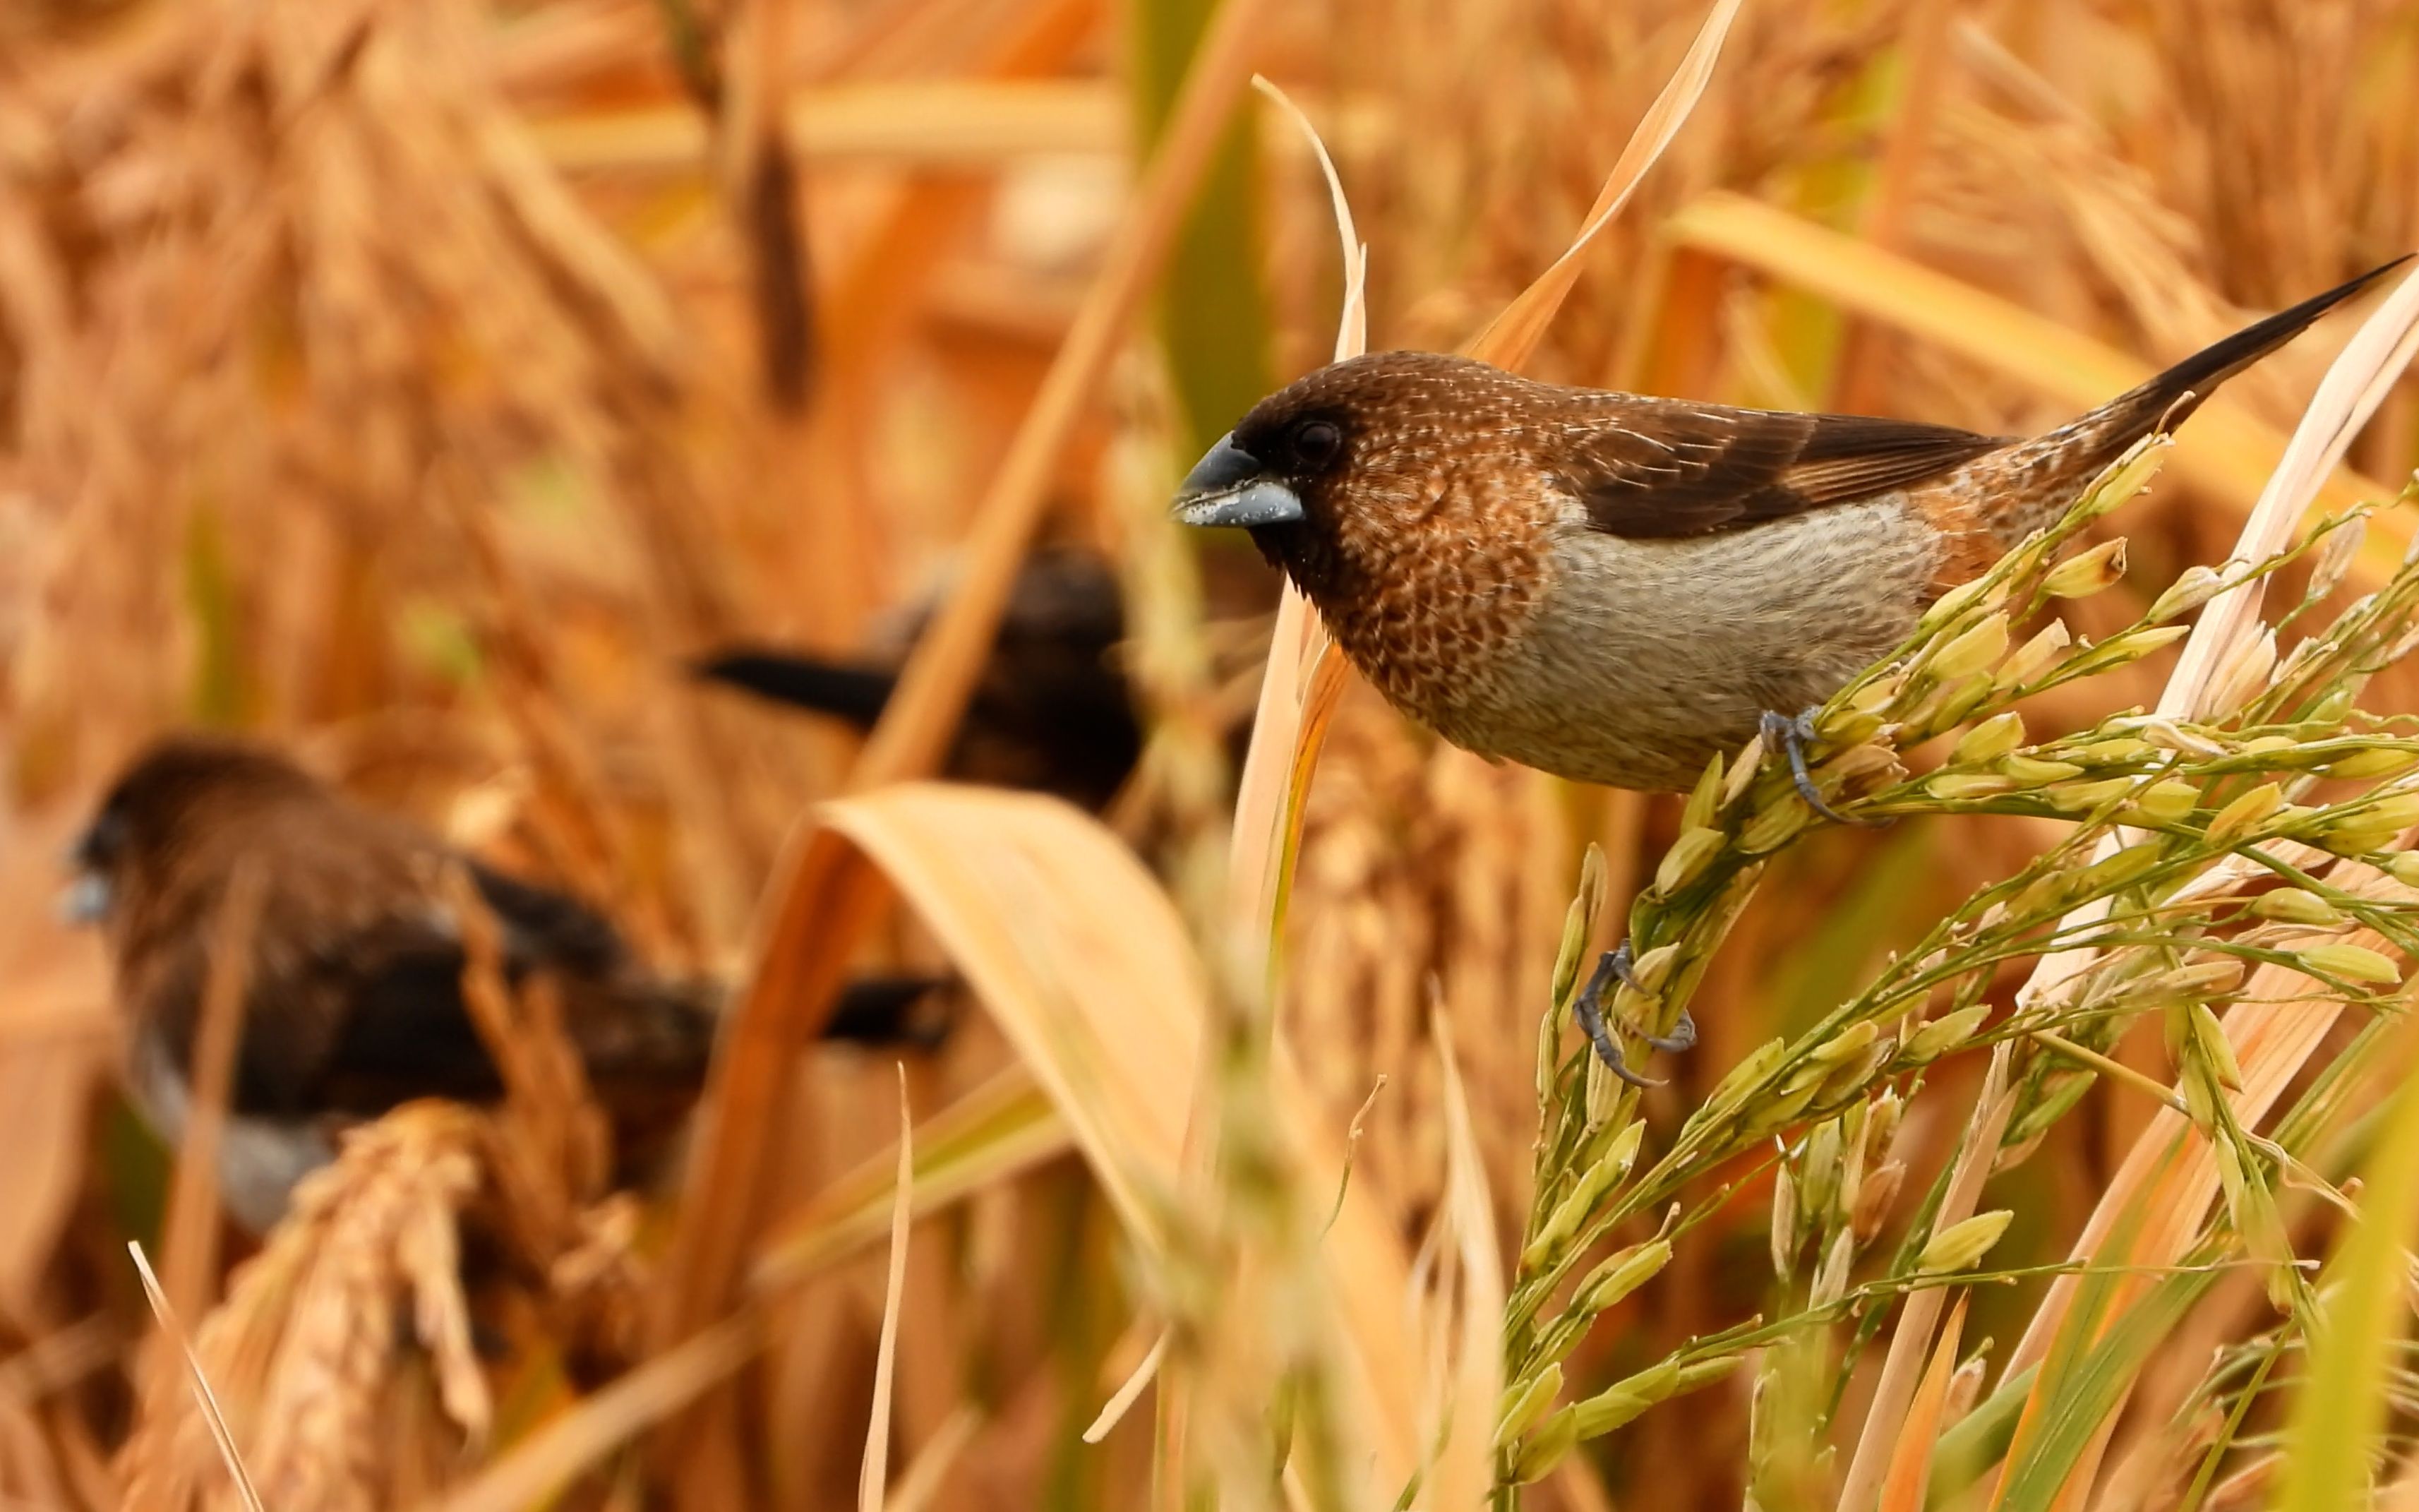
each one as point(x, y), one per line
point(1676, 470)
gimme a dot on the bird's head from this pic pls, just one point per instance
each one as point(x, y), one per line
point(160, 805)
point(1344, 465)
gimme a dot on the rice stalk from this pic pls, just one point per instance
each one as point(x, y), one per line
point(1461, 1469)
point(2171, 801)
point(1213, 315)
point(1895, 1395)
point(1925, 77)
point(307, 1351)
point(220, 1439)
point(2349, 395)
point(190, 1229)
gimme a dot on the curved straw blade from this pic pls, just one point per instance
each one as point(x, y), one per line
point(1352, 324)
point(992, 1134)
point(1121, 1401)
point(1299, 689)
point(1512, 335)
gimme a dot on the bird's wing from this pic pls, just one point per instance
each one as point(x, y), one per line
point(356, 1000)
point(1659, 469)
point(546, 928)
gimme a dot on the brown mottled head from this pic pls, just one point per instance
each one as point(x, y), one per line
point(1331, 470)
point(163, 803)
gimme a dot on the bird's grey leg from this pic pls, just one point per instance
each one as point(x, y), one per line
point(1793, 736)
point(1610, 967)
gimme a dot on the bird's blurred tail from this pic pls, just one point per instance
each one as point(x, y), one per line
point(660, 1034)
point(852, 691)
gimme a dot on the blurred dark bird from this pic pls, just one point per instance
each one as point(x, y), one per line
point(1051, 712)
point(354, 997)
point(1613, 588)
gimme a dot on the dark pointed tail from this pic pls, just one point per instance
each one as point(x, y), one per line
point(854, 692)
point(2175, 393)
point(662, 1033)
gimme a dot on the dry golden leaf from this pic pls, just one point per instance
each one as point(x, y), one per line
point(960, 123)
point(1083, 963)
point(2355, 385)
point(1512, 335)
point(1073, 949)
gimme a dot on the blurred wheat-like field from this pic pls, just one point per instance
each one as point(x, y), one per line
point(421, 384)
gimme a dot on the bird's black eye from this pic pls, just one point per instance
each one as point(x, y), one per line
point(1315, 442)
point(101, 844)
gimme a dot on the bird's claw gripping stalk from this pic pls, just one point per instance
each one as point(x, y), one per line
point(1613, 966)
point(1793, 735)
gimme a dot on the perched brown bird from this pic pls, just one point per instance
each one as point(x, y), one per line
point(1612, 587)
point(354, 999)
point(1051, 712)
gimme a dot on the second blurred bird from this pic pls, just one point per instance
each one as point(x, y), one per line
point(1051, 712)
point(353, 1002)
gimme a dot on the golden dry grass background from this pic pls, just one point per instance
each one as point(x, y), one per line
point(417, 382)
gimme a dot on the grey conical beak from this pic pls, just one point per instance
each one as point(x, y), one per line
point(1230, 488)
point(87, 900)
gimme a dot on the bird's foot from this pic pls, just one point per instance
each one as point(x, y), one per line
point(1614, 967)
point(1683, 1036)
point(1792, 737)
